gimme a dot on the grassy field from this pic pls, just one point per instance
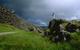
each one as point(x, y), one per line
point(23, 40)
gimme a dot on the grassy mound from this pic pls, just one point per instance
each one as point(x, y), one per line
point(23, 40)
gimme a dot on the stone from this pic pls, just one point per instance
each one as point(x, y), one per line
point(71, 27)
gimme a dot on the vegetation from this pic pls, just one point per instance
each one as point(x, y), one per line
point(6, 28)
point(23, 40)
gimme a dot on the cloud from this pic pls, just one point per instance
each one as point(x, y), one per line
point(65, 8)
point(37, 22)
point(43, 9)
point(73, 18)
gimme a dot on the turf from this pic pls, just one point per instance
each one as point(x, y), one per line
point(23, 40)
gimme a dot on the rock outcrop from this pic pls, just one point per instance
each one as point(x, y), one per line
point(59, 30)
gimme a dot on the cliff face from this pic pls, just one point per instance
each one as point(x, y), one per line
point(8, 16)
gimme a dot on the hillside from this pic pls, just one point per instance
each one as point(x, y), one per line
point(22, 40)
point(8, 16)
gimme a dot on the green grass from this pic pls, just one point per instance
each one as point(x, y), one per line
point(6, 28)
point(23, 40)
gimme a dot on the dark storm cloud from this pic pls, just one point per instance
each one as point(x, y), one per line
point(41, 10)
point(44, 8)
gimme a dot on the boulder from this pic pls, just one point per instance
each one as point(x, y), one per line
point(54, 25)
point(57, 31)
point(62, 36)
point(71, 27)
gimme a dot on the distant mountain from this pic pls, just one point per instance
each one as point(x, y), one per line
point(8, 16)
point(44, 27)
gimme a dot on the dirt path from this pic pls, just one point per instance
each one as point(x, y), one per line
point(6, 33)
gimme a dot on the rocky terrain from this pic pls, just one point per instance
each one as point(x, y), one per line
point(8, 16)
point(60, 30)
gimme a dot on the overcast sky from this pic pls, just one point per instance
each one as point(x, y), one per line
point(40, 11)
